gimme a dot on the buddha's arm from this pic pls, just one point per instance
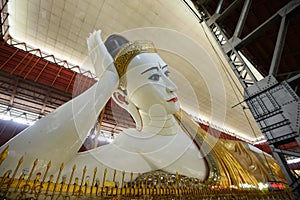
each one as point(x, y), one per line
point(59, 135)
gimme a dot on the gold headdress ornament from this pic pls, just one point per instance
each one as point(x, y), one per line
point(127, 53)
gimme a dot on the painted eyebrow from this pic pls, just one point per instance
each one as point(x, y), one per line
point(152, 68)
point(149, 69)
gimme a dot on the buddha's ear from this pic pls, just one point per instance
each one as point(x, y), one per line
point(120, 97)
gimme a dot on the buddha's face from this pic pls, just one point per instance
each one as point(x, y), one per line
point(149, 86)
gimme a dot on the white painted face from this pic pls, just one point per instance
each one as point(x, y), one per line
point(149, 86)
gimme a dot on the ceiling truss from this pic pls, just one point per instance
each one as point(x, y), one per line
point(277, 117)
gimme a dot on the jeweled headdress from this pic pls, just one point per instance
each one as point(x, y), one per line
point(124, 51)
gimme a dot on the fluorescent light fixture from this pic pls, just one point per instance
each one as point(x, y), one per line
point(260, 141)
point(296, 160)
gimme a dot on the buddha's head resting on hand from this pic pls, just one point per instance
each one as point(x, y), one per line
point(144, 84)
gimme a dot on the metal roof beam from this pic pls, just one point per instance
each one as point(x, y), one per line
point(238, 44)
point(240, 24)
point(286, 152)
point(220, 5)
point(279, 46)
point(217, 17)
point(285, 10)
point(293, 78)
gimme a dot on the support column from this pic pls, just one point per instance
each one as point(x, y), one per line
point(218, 17)
point(283, 165)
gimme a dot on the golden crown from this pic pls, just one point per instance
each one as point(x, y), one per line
point(127, 53)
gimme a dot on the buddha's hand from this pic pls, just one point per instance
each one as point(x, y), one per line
point(100, 57)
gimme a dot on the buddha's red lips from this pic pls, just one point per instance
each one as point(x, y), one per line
point(173, 99)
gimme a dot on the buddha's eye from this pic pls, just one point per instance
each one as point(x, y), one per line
point(167, 73)
point(154, 77)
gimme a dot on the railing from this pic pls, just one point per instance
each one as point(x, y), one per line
point(3, 19)
point(39, 53)
point(45, 186)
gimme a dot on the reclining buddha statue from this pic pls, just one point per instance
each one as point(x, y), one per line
point(165, 138)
